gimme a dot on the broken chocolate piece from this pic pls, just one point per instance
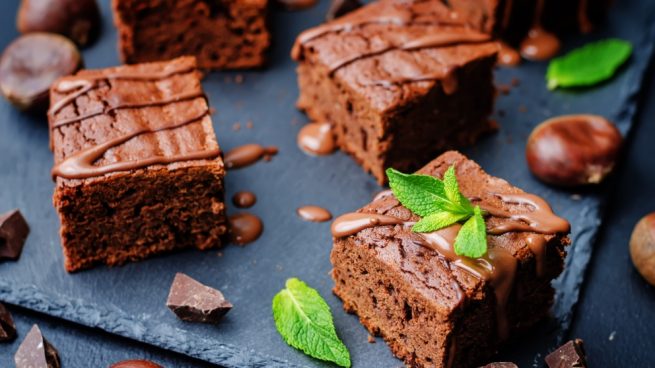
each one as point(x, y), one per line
point(194, 302)
point(501, 365)
point(135, 363)
point(36, 352)
point(7, 326)
point(13, 232)
point(341, 7)
point(569, 355)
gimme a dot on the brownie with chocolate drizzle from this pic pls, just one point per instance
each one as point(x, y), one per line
point(399, 81)
point(433, 307)
point(138, 171)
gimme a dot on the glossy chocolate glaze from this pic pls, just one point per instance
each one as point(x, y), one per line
point(539, 43)
point(316, 139)
point(81, 164)
point(352, 223)
point(314, 214)
point(244, 199)
point(245, 228)
point(507, 55)
point(247, 155)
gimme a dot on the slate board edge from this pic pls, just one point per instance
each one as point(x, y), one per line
point(589, 234)
point(170, 338)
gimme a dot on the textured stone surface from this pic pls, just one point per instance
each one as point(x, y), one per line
point(334, 182)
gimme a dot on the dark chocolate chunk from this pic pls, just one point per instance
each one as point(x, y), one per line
point(501, 365)
point(135, 363)
point(13, 232)
point(7, 326)
point(569, 355)
point(36, 352)
point(194, 302)
point(341, 7)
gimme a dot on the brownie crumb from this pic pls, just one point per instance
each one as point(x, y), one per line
point(515, 82)
point(236, 126)
point(238, 79)
point(371, 339)
point(249, 124)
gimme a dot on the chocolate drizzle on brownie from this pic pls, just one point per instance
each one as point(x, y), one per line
point(81, 164)
point(498, 266)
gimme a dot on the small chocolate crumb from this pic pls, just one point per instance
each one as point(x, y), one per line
point(194, 302)
point(523, 108)
point(504, 89)
point(36, 352)
point(7, 326)
point(341, 7)
point(236, 126)
point(135, 363)
point(238, 79)
point(249, 124)
point(371, 339)
point(515, 82)
point(569, 355)
point(13, 232)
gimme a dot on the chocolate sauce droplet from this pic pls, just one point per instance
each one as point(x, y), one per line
point(247, 155)
point(314, 214)
point(245, 228)
point(244, 199)
point(507, 55)
point(540, 45)
point(316, 139)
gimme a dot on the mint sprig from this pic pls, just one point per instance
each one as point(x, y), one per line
point(304, 320)
point(588, 65)
point(441, 204)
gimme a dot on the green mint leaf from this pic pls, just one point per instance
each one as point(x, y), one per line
point(421, 194)
point(304, 320)
point(588, 65)
point(438, 221)
point(472, 238)
point(451, 186)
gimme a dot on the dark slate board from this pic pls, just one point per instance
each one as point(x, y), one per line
point(129, 301)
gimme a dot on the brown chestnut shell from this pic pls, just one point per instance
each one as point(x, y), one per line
point(31, 63)
point(642, 247)
point(78, 20)
point(573, 150)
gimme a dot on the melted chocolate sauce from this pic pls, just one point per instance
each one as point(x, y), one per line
point(244, 199)
point(316, 139)
point(314, 214)
point(540, 219)
point(247, 155)
point(539, 44)
point(80, 165)
point(537, 244)
point(245, 228)
point(583, 17)
point(507, 55)
point(352, 223)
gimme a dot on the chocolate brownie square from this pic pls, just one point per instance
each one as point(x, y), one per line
point(399, 81)
point(221, 34)
point(437, 309)
point(138, 170)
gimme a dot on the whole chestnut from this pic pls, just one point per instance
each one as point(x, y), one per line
point(78, 20)
point(572, 150)
point(30, 64)
point(642, 247)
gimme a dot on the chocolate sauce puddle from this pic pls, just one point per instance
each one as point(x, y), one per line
point(80, 165)
point(314, 214)
point(539, 44)
point(245, 228)
point(316, 139)
point(247, 155)
point(244, 199)
point(540, 219)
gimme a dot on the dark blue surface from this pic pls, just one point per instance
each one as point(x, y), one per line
point(130, 300)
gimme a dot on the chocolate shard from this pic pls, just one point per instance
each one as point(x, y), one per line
point(194, 302)
point(501, 365)
point(13, 232)
point(341, 7)
point(36, 352)
point(569, 355)
point(7, 326)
